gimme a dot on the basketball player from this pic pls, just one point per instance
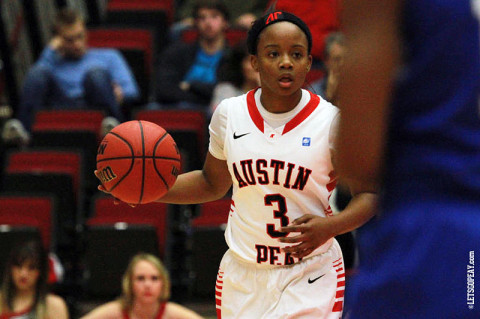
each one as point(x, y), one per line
point(409, 96)
point(275, 145)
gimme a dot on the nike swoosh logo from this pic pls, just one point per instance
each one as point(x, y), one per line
point(311, 281)
point(235, 136)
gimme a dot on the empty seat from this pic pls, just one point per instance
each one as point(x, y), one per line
point(108, 250)
point(79, 129)
point(21, 210)
point(113, 235)
point(68, 120)
point(156, 15)
point(208, 245)
point(56, 173)
point(48, 160)
point(105, 212)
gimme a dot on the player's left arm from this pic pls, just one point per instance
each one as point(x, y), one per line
point(315, 230)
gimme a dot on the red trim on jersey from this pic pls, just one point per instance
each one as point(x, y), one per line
point(253, 110)
point(339, 295)
point(16, 314)
point(299, 118)
point(218, 293)
point(303, 114)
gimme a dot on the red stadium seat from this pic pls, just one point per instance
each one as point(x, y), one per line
point(208, 244)
point(68, 120)
point(164, 5)
point(105, 212)
point(79, 129)
point(123, 38)
point(48, 161)
point(213, 214)
point(35, 211)
point(113, 235)
point(53, 172)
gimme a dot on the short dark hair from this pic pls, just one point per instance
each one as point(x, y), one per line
point(332, 38)
point(218, 5)
point(270, 18)
point(66, 17)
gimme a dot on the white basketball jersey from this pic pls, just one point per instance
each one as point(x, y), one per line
point(278, 175)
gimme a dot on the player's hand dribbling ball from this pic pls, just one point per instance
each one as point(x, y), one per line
point(138, 162)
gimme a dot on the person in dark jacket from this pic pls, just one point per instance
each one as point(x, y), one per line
point(187, 71)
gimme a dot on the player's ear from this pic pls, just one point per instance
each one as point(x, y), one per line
point(254, 62)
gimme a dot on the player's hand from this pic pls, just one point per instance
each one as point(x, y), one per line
point(102, 188)
point(314, 232)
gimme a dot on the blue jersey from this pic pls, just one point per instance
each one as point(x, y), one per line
point(417, 256)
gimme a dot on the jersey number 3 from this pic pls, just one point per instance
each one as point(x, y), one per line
point(279, 213)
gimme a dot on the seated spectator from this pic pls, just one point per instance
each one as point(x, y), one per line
point(68, 75)
point(24, 288)
point(243, 14)
point(236, 75)
point(187, 71)
point(146, 290)
point(334, 56)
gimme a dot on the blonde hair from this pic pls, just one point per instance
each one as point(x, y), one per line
point(127, 297)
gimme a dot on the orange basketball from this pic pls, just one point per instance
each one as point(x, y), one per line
point(138, 162)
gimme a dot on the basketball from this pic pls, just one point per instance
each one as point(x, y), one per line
point(138, 162)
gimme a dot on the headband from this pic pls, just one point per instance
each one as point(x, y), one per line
point(271, 18)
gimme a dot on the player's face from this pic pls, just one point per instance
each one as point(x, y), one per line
point(25, 276)
point(147, 283)
point(74, 39)
point(210, 23)
point(282, 58)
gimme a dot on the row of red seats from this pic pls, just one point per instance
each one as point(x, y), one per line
point(49, 180)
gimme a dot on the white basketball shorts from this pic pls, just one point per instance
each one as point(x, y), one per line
point(312, 288)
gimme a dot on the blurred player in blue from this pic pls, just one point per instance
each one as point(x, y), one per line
point(410, 124)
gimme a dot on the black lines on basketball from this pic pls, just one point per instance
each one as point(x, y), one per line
point(155, 163)
point(140, 162)
point(131, 163)
point(142, 187)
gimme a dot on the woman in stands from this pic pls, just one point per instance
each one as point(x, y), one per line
point(24, 293)
point(146, 290)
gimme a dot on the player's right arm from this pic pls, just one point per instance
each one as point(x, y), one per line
point(214, 180)
point(199, 186)
point(208, 184)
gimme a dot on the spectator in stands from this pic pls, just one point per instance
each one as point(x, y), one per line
point(243, 14)
point(236, 75)
point(24, 291)
point(321, 16)
point(334, 56)
point(68, 75)
point(146, 290)
point(187, 71)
